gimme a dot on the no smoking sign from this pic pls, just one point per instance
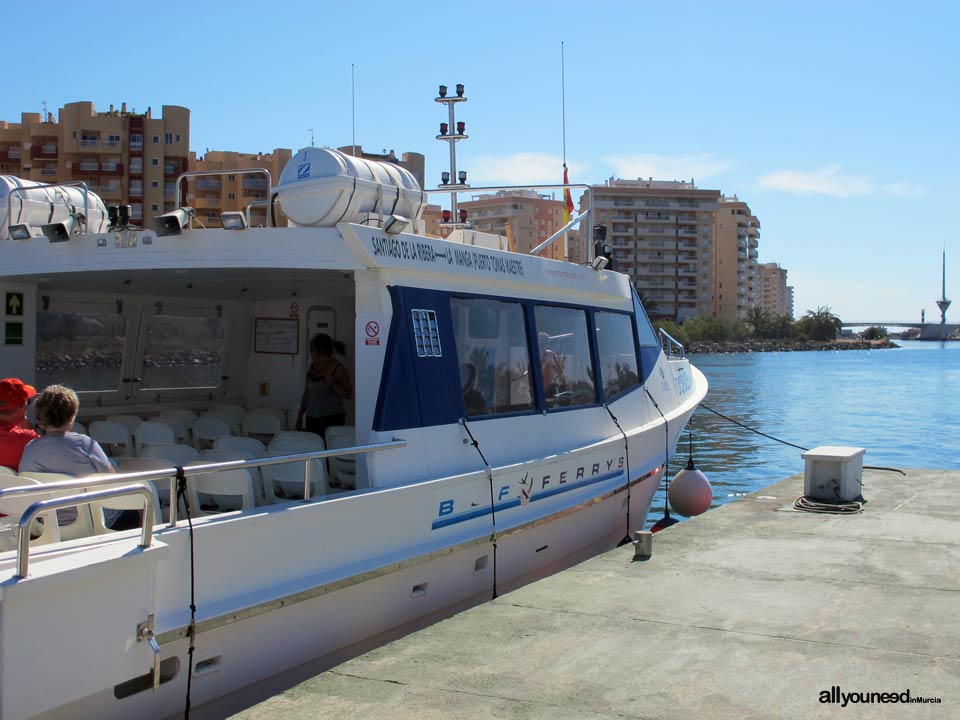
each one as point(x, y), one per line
point(373, 333)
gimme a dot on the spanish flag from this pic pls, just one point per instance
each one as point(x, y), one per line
point(567, 200)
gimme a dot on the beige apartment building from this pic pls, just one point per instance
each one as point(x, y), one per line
point(126, 157)
point(737, 280)
point(776, 297)
point(211, 195)
point(662, 235)
point(530, 216)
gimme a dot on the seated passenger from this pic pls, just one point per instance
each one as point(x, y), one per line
point(15, 429)
point(59, 450)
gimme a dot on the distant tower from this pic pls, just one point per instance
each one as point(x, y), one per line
point(943, 303)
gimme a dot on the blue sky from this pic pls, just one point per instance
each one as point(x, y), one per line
point(836, 121)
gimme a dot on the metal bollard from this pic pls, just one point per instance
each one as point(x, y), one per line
point(642, 545)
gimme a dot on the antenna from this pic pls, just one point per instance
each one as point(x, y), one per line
point(353, 110)
point(45, 114)
point(311, 136)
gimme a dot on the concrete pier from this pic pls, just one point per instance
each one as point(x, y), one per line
point(749, 611)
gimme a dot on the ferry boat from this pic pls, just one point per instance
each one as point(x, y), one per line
point(512, 416)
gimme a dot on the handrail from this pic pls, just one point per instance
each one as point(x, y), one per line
point(242, 171)
point(171, 472)
point(46, 186)
point(668, 343)
point(148, 492)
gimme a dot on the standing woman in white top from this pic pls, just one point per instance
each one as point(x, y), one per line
point(326, 387)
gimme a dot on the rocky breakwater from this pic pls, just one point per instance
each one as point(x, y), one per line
point(749, 346)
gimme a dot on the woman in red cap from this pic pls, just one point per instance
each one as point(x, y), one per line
point(15, 431)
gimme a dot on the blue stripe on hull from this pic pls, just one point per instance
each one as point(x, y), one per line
point(543, 495)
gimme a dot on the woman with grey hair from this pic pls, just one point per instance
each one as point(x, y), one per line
point(60, 450)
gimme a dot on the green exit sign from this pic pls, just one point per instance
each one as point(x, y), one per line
point(14, 303)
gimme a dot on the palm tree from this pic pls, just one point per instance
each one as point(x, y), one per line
point(821, 324)
point(758, 319)
point(648, 302)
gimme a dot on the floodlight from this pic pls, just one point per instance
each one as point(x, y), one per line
point(599, 262)
point(19, 232)
point(172, 223)
point(61, 231)
point(233, 220)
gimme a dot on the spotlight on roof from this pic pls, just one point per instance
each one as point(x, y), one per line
point(61, 231)
point(172, 223)
point(113, 214)
point(443, 91)
point(233, 220)
point(123, 215)
point(19, 232)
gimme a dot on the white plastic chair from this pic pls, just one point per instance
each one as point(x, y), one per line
point(79, 527)
point(264, 493)
point(114, 437)
point(261, 424)
point(298, 435)
point(301, 442)
point(143, 464)
point(124, 502)
point(251, 446)
point(153, 433)
point(13, 507)
point(343, 469)
point(181, 430)
point(288, 477)
point(237, 411)
point(184, 415)
point(224, 486)
point(131, 421)
point(208, 428)
point(171, 452)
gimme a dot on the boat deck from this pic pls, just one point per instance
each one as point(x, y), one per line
point(752, 610)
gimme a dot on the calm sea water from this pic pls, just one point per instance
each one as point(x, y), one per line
point(902, 405)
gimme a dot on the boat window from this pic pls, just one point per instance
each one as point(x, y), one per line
point(81, 349)
point(645, 332)
point(564, 348)
point(617, 354)
point(183, 352)
point(491, 341)
point(426, 334)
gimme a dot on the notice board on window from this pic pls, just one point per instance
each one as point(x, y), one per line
point(276, 336)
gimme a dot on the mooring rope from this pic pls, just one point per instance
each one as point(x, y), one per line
point(493, 508)
point(182, 494)
point(626, 450)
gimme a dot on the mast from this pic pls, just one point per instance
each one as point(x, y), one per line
point(943, 303)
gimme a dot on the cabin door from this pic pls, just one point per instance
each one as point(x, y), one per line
point(320, 319)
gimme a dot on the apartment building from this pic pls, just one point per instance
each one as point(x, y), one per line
point(211, 195)
point(662, 234)
point(736, 241)
point(776, 297)
point(414, 162)
point(126, 157)
point(530, 216)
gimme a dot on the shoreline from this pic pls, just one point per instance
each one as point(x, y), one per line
point(751, 346)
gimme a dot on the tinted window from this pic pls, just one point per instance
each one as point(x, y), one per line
point(83, 350)
point(492, 352)
point(645, 332)
point(618, 357)
point(564, 351)
point(183, 352)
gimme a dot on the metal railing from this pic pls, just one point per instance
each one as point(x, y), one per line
point(221, 173)
point(669, 343)
point(148, 492)
point(170, 474)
